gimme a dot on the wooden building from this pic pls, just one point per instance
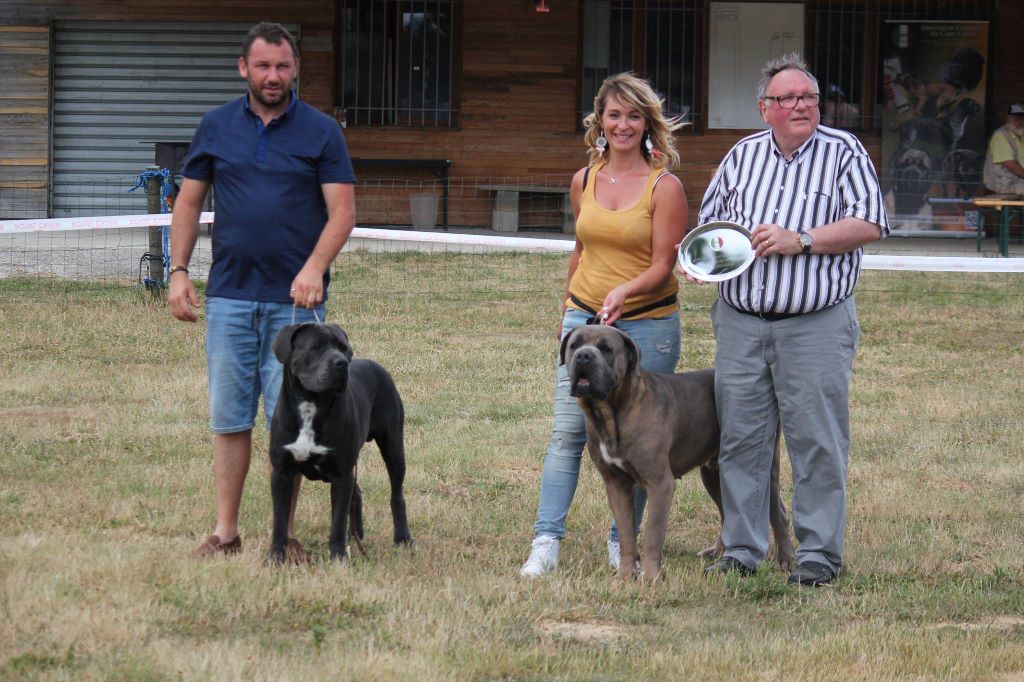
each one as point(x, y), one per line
point(498, 88)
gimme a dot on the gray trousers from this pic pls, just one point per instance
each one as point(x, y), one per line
point(798, 371)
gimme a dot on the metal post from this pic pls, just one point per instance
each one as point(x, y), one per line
point(156, 247)
point(1004, 231)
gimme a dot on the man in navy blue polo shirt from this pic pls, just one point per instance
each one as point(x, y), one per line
point(285, 205)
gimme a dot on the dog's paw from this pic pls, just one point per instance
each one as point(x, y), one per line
point(339, 555)
point(625, 574)
point(713, 551)
point(276, 557)
point(785, 561)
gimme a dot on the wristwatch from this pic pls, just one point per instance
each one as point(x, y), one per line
point(177, 268)
point(806, 240)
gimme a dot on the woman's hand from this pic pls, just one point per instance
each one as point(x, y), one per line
point(611, 310)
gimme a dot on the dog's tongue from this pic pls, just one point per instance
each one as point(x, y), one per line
point(582, 382)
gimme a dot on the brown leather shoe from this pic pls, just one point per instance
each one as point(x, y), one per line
point(213, 546)
point(295, 554)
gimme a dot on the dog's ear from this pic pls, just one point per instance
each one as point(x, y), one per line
point(341, 338)
point(282, 345)
point(632, 352)
point(564, 345)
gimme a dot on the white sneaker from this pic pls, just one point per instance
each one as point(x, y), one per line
point(614, 553)
point(543, 557)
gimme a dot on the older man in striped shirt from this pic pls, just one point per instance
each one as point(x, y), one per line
point(787, 329)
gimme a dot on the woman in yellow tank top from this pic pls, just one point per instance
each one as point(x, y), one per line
point(630, 214)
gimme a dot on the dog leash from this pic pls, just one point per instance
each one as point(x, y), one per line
point(315, 316)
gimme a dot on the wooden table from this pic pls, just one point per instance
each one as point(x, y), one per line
point(1004, 203)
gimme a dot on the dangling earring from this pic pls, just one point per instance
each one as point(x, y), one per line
point(601, 143)
point(650, 146)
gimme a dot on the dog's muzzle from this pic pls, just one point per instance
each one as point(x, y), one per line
point(331, 375)
point(337, 373)
point(584, 375)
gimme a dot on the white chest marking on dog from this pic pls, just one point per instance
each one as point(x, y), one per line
point(612, 461)
point(304, 444)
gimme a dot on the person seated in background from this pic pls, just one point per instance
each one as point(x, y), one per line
point(1003, 172)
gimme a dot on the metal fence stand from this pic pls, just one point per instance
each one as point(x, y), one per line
point(159, 193)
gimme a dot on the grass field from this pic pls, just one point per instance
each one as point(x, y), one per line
point(106, 487)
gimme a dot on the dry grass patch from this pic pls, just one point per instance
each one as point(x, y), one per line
point(105, 488)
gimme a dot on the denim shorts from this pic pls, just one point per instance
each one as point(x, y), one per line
point(240, 359)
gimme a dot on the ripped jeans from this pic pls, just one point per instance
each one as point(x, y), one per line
point(658, 340)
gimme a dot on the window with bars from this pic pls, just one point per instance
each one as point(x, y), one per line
point(397, 62)
point(657, 39)
point(845, 50)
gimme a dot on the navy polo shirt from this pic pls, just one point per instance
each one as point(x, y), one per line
point(269, 206)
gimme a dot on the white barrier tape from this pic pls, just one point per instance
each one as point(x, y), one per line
point(517, 243)
point(91, 223)
point(870, 262)
point(942, 264)
point(160, 219)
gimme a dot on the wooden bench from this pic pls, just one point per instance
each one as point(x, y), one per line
point(1005, 204)
point(438, 166)
point(505, 217)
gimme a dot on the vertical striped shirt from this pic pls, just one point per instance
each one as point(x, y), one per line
point(830, 177)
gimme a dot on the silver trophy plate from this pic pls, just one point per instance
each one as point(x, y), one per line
point(715, 252)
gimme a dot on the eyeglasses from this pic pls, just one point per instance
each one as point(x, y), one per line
point(789, 101)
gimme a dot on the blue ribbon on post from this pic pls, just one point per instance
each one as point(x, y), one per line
point(166, 192)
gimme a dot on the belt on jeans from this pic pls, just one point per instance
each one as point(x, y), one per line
point(668, 300)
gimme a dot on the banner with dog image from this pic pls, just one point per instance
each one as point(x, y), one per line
point(933, 119)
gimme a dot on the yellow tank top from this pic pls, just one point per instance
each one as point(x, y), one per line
point(616, 249)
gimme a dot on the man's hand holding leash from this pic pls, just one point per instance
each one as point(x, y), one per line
point(307, 288)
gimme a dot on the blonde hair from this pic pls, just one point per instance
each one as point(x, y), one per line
point(633, 91)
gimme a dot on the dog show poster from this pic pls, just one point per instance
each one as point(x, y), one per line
point(933, 120)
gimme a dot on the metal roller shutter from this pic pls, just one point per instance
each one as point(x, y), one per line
point(118, 87)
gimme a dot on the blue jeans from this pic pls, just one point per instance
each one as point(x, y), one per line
point(658, 340)
point(240, 360)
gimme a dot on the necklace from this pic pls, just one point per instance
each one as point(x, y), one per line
point(615, 180)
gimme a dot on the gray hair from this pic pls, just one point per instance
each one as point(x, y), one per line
point(774, 66)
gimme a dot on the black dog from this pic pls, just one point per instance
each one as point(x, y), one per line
point(329, 406)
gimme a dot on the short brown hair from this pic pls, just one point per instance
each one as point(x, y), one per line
point(275, 34)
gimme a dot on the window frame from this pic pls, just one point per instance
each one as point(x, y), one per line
point(640, 9)
point(398, 62)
